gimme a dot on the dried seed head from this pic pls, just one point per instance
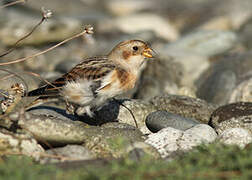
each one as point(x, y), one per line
point(89, 29)
point(4, 107)
point(46, 13)
point(18, 88)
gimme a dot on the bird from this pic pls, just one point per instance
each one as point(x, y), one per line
point(95, 80)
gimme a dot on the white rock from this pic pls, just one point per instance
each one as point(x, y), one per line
point(236, 136)
point(165, 141)
point(169, 140)
point(197, 135)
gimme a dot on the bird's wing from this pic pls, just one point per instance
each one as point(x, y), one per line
point(93, 69)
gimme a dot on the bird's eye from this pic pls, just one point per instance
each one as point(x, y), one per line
point(135, 48)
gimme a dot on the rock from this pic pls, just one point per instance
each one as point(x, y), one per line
point(19, 143)
point(67, 153)
point(158, 120)
point(245, 33)
point(113, 111)
point(236, 136)
point(140, 22)
point(138, 150)
point(161, 75)
point(235, 115)
point(51, 111)
point(118, 125)
point(112, 142)
point(168, 141)
point(204, 43)
point(196, 135)
point(217, 84)
point(58, 131)
point(184, 106)
point(165, 141)
point(125, 7)
point(193, 51)
point(242, 92)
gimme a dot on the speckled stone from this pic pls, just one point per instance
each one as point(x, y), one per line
point(168, 141)
point(185, 106)
point(242, 92)
point(19, 143)
point(235, 115)
point(236, 136)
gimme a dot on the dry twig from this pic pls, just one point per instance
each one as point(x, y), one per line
point(45, 15)
point(87, 30)
point(13, 3)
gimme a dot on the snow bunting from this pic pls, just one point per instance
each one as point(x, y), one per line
point(92, 82)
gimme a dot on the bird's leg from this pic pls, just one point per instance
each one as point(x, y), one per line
point(86, 109)
point(114, 99)
point(70, 109)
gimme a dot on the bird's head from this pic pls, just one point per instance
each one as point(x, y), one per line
point(131, 54)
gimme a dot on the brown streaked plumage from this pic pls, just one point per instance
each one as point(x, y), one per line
point(90, 83)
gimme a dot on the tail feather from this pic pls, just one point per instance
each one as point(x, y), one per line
point(48, 90)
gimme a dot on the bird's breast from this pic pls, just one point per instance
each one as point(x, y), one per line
point(126, 79)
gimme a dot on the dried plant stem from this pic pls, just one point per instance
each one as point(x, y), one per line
point(42, 52)
point(12, 3)
point(27, 35)
point(42, 79)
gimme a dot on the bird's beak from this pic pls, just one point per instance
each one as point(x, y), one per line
point(148, 53)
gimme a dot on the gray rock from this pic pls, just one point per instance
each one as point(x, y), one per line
point(118, 125)
point(51, 111)
point(205, 43)
point(236, 115)
point(158, 120)
point(161, 75)
point(67, 153)
point(185, 106)
point(217, 84)
point(62, 131)
point(168, 141)
point(139, 150)
point(236, 136)
point(193, 51)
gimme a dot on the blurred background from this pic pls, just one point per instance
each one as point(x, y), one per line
point(190, 37)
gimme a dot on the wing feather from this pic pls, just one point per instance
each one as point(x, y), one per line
point(91, 69)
